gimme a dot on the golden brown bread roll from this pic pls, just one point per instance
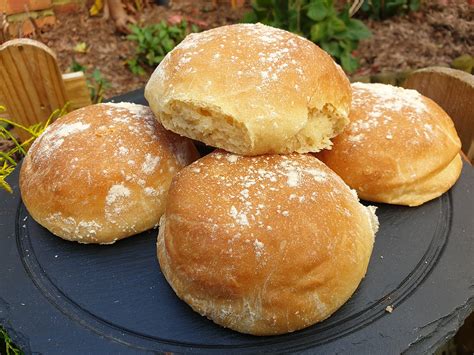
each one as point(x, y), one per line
point(399, 148)
point(251, 89)
point(264, 245)
point(101, 173)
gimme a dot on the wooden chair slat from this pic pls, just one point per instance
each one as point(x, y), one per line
point(32, 86)
point(453, 90)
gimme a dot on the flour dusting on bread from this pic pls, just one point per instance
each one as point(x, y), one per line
point(251, 89)
point(266, 244)
point(104, 165)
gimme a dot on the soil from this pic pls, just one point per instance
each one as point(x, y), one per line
point(109, 50)
point(433, 36)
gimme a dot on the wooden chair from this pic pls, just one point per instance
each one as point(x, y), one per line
point(453, 90)
point(31, 85)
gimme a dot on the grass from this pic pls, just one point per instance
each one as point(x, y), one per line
point(8, 162)
point(6, 344)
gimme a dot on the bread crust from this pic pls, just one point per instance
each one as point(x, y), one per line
point(399, 148)
point(101, 173)
point(251, 89)
point(264, 245)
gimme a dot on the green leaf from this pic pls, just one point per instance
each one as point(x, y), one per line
point(365, 6)
point(414, 5)
point(155, 42)
point(96, 75)
point(132, 37)
point(150, 58)
point(332, 48)
point(135, 29)
point(134, 67)
point(344, 15)
point(318, 32)
point(393, 7)
point(250, 17)
point(263, 3)
point(317, 11)
point(357, 30)
point(336, 25)
point(348, 62)
point(168, 44)
point(282, 13)
point(373, 8)
point(175, 30)
point(293, 22)
point(162, 34)
point(75, 66)
point(347, 45)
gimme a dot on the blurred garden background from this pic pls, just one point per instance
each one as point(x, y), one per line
point(118, 43)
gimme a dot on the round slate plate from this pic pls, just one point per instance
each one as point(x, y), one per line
point(63, 297)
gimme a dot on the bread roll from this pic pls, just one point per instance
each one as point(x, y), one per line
point(101, 173)
point(264, 245)
point(251, 89)
point(399, 148)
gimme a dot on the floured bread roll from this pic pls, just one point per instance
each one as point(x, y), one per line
point(399, 148)
point(251, 89)
point(101, 173)
point(264, 245)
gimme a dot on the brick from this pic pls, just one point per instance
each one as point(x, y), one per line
point(45, 21)
point(27, 27)
point(68, 6)
point(11, 7)
point(34, 5)
point(63, 2)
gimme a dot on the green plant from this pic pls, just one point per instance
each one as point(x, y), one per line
point(96, 83)
point(335, 31)
point(7, 160)
point(381, 9)
point(99, 86)
point(8, 346)
point(154, 42)
point(75, 66)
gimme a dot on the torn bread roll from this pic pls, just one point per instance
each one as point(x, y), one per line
point(251, 89)
point(400, 147)
point(264, 245)
point(101, 173)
